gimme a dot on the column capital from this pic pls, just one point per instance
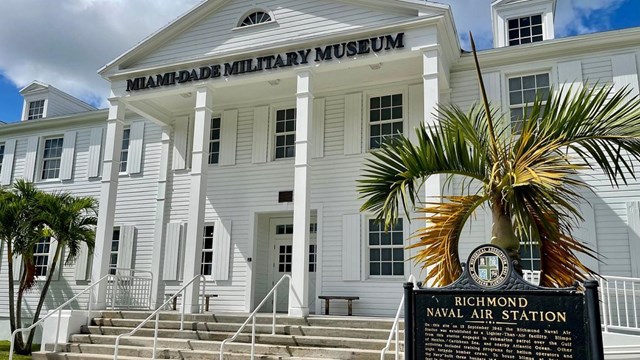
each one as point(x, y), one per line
point(204, 98)
point(304, 83)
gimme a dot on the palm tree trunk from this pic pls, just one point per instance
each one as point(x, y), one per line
point(19, 340)
point(504, 236)
point(43, 294)
point(12, 308)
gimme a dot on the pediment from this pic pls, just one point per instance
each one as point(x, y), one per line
point(212, 28)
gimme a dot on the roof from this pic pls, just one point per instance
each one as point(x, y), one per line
point(36, 86)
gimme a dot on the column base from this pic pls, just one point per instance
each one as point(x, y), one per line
point(299, 312)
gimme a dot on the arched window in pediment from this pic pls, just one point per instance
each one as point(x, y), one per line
point(255, 18)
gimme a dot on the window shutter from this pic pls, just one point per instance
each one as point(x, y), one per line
point(82, 263)
point(172, 252)
point(53, 246)
point(228, 138)
point(180, 141)
point(260, 134)
point(494, 89)
point(416, 110)
point(125, 251)
point(222, 250)
point(633, 218)
point(68, 154)
point(586, 233)
point(134, 164)
point(17, 268)
point(7, 162)
point(30, 158)
point(625, 73)
point(317, 130)
point(353, 124)
point(351, 247)
point(95, 150)
point(570, 76)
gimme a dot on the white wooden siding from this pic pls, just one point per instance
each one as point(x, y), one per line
point(95, 153)
point(7, 162)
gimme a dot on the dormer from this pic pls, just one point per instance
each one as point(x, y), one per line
point(42, 101)
point(518, 22)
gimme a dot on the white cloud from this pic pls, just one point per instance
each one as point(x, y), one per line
point(64, 42)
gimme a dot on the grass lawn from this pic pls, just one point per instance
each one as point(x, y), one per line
point(4, 351)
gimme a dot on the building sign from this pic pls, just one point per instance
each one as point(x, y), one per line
point(492, 313)
point(271, 62)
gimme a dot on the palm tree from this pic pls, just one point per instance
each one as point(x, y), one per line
point(9, 214)
point(71, 222)
point(529, 180)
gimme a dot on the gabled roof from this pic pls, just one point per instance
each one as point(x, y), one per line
point(206, 7)
point(36, 86)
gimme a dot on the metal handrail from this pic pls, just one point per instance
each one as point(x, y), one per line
point(274, 292)
point(157, 316)
point(629, 287)
point(395, 329)
point(131, 276)
point(59, 311)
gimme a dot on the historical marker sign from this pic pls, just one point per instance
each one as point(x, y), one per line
point(491, 313)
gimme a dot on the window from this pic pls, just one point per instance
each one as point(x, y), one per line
point(41, 256)
point(386, 249)
point(385, 119)
point(285, 258)
point(113, 255)
point(206, 268)
point(525, 30)
point(530, 255)
point(286, 133)
point(124, 153)
point(1, 155)
point(258, 17)
point(51, 158)
point(313, 258)
point(214, 141)
point(522, 94)
point(36, 110)
point(284, 229)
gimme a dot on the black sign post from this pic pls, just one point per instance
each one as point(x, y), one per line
point(492, 313)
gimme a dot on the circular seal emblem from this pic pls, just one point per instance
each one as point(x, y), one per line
point(489, 266)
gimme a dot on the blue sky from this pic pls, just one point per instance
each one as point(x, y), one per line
point(67, 49)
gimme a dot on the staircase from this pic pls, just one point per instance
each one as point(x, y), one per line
point(305, 339)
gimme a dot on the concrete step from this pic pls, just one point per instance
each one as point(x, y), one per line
point(211, 342)
point(102, 326)
point(210, 350)
point(239, 318)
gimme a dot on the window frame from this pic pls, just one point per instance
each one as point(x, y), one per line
point(126, 129)
point(272, 130)
point(113, 267)
point(531, 36)
point(530, 261)
point(366, 253)
point(3, 148)
point(219, 140)
point(45, 255)
point(514, 72)
point(42, 160)
point(241, 20)
point(42, 114)
point(208, 277)
point(366, 108)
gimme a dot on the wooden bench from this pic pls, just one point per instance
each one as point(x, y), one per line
point(349, 299)
point(207, 300)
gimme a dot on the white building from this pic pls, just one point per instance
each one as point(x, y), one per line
point(236, 134)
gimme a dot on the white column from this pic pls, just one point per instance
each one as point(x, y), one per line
point(197, 197)
point(159, 234)
point(299, 290)
point(108, 196)
point(431, 61)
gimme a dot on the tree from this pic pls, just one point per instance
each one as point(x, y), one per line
point(530, 180)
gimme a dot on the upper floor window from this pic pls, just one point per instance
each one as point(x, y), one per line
point(286, 133)
point(386, 249)
point(206, 267)
point(113, 254)
point(522, 95)
point(530, 256)
point(525, 30)
point(1, 155)
point(214, 141)
point(36, 110)
point(51, 158)
point(41, 256)
point(258, 17)
point(386, 119)
point(124, 153)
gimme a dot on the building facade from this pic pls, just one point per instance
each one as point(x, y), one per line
point(236, 135)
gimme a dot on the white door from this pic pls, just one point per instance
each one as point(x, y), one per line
point(281, 260)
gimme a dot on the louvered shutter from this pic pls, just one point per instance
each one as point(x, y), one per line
point(221, 250)
point(416, 110)
point(351, 247)
point(53, 246)
point(172, 252)
point(493, 87)
point(586, 233)
point(180, 141)
point(228, 138)
point(17, 268)
point(317, 128)
point(260, 135)
point(7, 162)
point(353, 124)
point(625, 73)
point(95, 150)
point(126, 246)
point(30, 158)
point(82, 263)
point(68, 155)
point(570, 77)
point(633, 218)
point(134, 162)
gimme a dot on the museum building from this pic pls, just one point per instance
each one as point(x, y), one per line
point(236, 134)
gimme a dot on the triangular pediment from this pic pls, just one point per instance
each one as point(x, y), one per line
point(34, 86)
point(212, 28)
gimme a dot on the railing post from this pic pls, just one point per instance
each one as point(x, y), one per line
point(114, 287)
point(89, 311)
point(11, 347)
point(593, 310)
point(253, 338)
point(273, 319)
point(155, 335)
point(397, 325)
point(182, 312)
point(408, 321)
point(55, 346)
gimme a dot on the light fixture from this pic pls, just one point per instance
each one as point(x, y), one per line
point(274, 82)
point(186, 95)
point(377, 66)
